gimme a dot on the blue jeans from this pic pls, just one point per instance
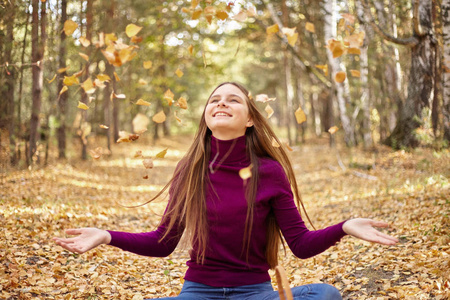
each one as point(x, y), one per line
point(262, 291)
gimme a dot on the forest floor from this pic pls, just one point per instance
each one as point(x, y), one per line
point(410, 190)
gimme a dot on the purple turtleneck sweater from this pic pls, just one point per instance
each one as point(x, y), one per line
point(225, 262)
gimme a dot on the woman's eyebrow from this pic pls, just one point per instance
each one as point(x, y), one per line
point(228, 96)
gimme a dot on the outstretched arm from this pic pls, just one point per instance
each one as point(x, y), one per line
point(85, 239)
point(365, 229)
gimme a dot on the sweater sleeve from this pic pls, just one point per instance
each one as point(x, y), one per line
point(303, 242)
point(150, 243)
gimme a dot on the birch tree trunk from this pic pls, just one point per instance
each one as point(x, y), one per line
point(366, 103)
point(446, 66)
point(421, 81)
point(330, 8)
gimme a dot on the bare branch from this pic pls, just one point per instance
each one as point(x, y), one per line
point(410, 42)
point(303, 63)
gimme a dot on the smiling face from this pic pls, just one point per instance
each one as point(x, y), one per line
point(226, 113)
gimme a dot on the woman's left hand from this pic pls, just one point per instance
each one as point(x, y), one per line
point(364, 229)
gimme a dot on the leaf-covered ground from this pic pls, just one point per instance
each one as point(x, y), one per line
point(409, 190)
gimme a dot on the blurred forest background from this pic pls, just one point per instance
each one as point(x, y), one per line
point(76, 71)
point(99, 101)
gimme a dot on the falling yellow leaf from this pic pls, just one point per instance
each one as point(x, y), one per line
point(251, 11)
point(336, 47)
point(179, 73)
point(162, 153)
point(191, 49)
point(246, 173)
point(185, 10)
point(182, 103)
point(222, 15)
point(110, 38)
point(51, 80)
point(269, 111)
point(159, 117)
point(310, 27)
point(70, 80)
point(168, 96)
point(82, 105)
point(110, 57)
point(340, 77)
point(98, 83)
point(324, 68)
point(288, 31)
point(142, 82)
point(263, 98)
point(288, 147)
point(138, 154)
point(300, 115)
point(103, 126)
point(116, 77)
point(176, 117)
point(84, 56)
point(132, 30)
point(84, 41)
point(148, 163)
point(120, 96)
point(333, 129)
point(272, 29)
point(355, 73)
point(209, 10)
point(103, 77)
point(275, 143)
point(96, 153)
point(88, 86)
point(148, 64)
point(292, 39)
point(143, 102)
point(69, 27)
point(64, 89)
point(196, 14)
point(62, 70)
point(241, 16)
point(356, 51)
point(136, 39)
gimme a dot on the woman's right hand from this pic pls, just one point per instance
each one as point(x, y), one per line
point(85, 240)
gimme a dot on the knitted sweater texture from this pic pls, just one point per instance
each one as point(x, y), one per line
point(226, 262)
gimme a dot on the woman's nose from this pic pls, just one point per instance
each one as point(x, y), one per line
point(221, 102)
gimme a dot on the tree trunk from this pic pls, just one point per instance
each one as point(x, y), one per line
point(421, 83)
point(364, 71)
point(62, 99)
point(446, 68)
point(85, 126)
point(37, 52)
point(7, 82)
point(330, 8)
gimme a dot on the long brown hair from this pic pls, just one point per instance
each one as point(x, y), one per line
point(187, 206)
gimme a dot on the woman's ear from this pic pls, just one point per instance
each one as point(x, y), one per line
point(249, 123)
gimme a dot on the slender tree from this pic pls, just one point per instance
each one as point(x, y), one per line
point(446, 68)
point(37, 54)
point(62, 99)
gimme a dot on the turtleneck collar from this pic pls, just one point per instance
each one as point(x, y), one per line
point(229, 151)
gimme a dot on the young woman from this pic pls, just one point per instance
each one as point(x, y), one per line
point(234, 225)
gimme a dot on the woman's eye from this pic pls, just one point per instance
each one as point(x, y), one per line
point(214, 101)
point(234, 100)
